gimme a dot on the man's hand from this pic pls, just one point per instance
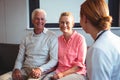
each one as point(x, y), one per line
point(16, 75)
point(35, 73)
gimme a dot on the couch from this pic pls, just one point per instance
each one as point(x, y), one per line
point(8, 54)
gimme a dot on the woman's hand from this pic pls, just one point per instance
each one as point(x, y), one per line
point(60, 75)
point(57, 76)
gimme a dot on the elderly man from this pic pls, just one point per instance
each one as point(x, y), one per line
point(38, 52)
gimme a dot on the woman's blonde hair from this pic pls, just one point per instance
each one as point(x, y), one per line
point(66, 14)
point(97, 12)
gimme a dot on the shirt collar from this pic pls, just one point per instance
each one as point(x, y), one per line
point(71, 37)
point(73, 34)
point(99, 34)
point(44, 31)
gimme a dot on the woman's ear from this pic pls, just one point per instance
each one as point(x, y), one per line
point(73, 24)
point(85, 19)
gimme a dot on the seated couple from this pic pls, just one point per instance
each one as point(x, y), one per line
point(42, 50)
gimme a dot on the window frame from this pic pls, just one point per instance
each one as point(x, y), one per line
point(115, 13)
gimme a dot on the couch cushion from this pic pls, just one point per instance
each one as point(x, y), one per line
point(8, 54)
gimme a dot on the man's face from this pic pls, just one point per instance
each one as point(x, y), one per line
point(39, 20)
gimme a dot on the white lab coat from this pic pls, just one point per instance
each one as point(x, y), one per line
point(103, 58)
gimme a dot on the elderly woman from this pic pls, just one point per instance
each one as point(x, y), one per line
point(71, 51)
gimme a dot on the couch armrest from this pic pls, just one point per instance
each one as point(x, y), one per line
point(8, 54)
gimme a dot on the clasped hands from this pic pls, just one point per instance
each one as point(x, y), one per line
point(35, 73)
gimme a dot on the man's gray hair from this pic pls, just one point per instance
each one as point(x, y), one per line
point(38, 10)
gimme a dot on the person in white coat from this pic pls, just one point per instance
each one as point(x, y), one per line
point(103, 56)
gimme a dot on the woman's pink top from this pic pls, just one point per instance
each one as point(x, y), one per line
point(72, 53)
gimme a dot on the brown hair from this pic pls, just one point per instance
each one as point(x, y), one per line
point(97, 12)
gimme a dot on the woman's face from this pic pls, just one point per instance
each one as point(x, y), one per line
point(83, 23)
point(66, 24)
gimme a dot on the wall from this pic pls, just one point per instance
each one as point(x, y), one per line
point(57, 8)
point(2, 21)
point(119, 13)
point(14, 22)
